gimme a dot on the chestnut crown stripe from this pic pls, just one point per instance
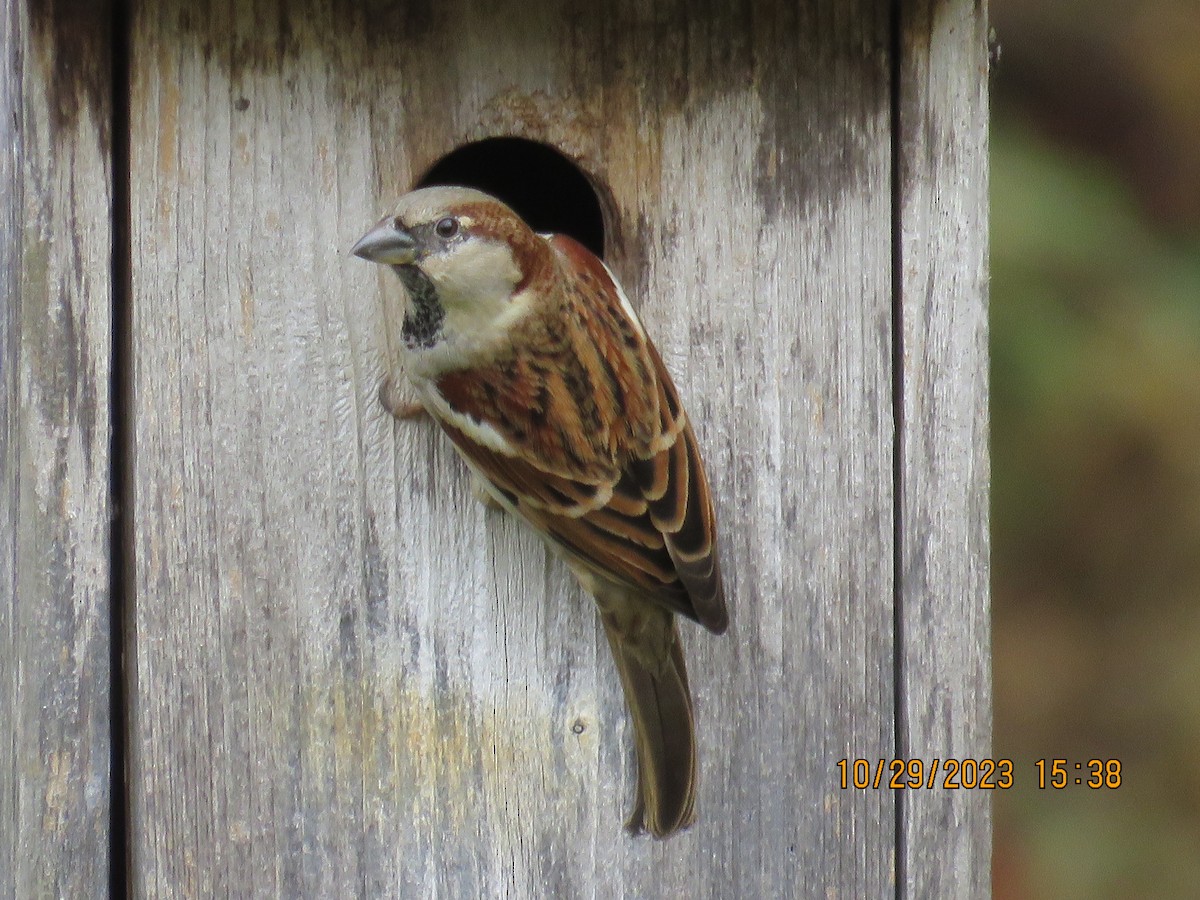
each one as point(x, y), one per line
point(491, 222)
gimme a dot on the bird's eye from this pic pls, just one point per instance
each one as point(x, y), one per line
point(446, 228)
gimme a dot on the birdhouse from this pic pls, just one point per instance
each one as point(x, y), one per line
point(258, 638)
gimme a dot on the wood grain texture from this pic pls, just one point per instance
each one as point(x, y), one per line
point(944, 625)
point(55, 315)
point(351, 680)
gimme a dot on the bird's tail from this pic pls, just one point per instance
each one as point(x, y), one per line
point(645, 645)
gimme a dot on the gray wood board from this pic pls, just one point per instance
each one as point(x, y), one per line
point(55, 316)
point(351, 679)
point(944, 634)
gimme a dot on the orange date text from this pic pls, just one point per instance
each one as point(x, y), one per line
point(910, 774)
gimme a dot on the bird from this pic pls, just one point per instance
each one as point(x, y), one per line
point(527, 352)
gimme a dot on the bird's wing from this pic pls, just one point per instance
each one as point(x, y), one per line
point(651, 529)
point(600, 456)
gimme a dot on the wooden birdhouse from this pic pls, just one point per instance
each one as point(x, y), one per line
point(257, 638)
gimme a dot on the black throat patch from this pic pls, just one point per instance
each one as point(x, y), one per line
point(425, 314)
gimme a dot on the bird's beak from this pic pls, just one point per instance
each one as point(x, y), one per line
point(388, 244)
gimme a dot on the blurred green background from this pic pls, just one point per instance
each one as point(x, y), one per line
point(1095, 331)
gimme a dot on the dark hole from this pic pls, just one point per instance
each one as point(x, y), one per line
point(541, 185)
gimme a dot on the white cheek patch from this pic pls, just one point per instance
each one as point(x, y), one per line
point(474, 279)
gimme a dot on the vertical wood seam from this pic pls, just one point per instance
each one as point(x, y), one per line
point(121, 538)
point(899, 707)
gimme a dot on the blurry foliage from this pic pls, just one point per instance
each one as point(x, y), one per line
point(1095, 382)
point(1121, 79)
point(1095, 324)
point(1096, 520)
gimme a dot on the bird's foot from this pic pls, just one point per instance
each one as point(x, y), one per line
point(393, 401)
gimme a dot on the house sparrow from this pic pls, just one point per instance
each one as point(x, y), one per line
point(526, 351)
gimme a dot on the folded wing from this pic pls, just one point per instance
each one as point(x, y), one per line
point(629, 502)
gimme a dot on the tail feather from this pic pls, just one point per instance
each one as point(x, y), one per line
point(645, 645)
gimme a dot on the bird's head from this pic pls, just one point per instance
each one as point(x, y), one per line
point(468, 263)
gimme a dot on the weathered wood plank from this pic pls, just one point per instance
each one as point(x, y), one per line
point(55, 315)
point(351, 680)
point(945, 682)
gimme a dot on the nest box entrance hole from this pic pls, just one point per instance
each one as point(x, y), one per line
point(541, 185)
